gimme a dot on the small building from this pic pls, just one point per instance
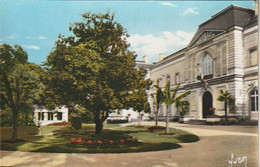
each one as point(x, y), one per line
point(44, 116)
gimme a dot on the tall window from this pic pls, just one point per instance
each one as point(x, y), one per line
point(50, 116)
point(207, 64)
point(253, 57)
point(39, 116)
point(177, 78)
point(59, 116)
point(254, 100)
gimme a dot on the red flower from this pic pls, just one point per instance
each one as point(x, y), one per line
point(89, 142)
point(73, 140)
point(121, 141)
point(99, 142)
point(111, 142)
point(79, 141)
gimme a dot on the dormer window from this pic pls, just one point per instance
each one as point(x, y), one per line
point(207, 64)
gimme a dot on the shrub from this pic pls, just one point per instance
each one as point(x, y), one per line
point(76, 123)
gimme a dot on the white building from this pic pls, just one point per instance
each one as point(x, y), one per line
point(45, 117)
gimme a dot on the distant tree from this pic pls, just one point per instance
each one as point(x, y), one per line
point(170, 98)
point(19, 82)
point(226, 97)
point(95, 69)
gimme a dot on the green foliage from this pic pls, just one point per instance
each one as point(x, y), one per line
point(76, 122)
point(19, 84)
point(182, 106)
point(159, 96)
point(6, 118)
point(226, 97)
point(86, 116)
point(170, 98)
point(94, 69)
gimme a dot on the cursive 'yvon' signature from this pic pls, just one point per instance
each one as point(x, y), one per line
point(237, 161)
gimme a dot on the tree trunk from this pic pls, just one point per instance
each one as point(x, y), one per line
point(98, 122)
point(12, 104)
point(167, 120)
point(226, 111)
point(156, 118)
point(99, 126)
point(14, 131)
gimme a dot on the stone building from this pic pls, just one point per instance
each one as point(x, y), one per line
point(223, 54)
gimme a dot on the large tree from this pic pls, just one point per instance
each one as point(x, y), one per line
point(95, 69)
point(19, 82)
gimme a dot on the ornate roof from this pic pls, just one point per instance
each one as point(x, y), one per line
point(221, 22)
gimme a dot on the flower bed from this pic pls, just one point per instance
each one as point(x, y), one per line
point(59, 124)
point(3, 127)
point(92, 142)
point(167, 134)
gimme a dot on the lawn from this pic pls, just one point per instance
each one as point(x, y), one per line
point(113, 139)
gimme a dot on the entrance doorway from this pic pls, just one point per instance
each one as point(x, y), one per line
point(207, 103)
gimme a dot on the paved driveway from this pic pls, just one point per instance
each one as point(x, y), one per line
point(214, 149)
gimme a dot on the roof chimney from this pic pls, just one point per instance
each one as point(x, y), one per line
point(145, 59)
point(161, 56)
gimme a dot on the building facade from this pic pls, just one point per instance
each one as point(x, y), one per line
point(44, 116)
point(223, 55)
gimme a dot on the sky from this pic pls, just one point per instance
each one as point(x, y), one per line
point(154, 26)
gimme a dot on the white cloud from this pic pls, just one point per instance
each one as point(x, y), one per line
point(11, 36)
point(166, 42)
point(168, 4)
point(31, 47)
point(41, 37)
point(190, 11)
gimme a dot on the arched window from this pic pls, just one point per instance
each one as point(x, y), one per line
point(254, 100)
point(207, 64)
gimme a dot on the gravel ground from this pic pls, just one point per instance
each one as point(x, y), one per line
point(214, 149)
